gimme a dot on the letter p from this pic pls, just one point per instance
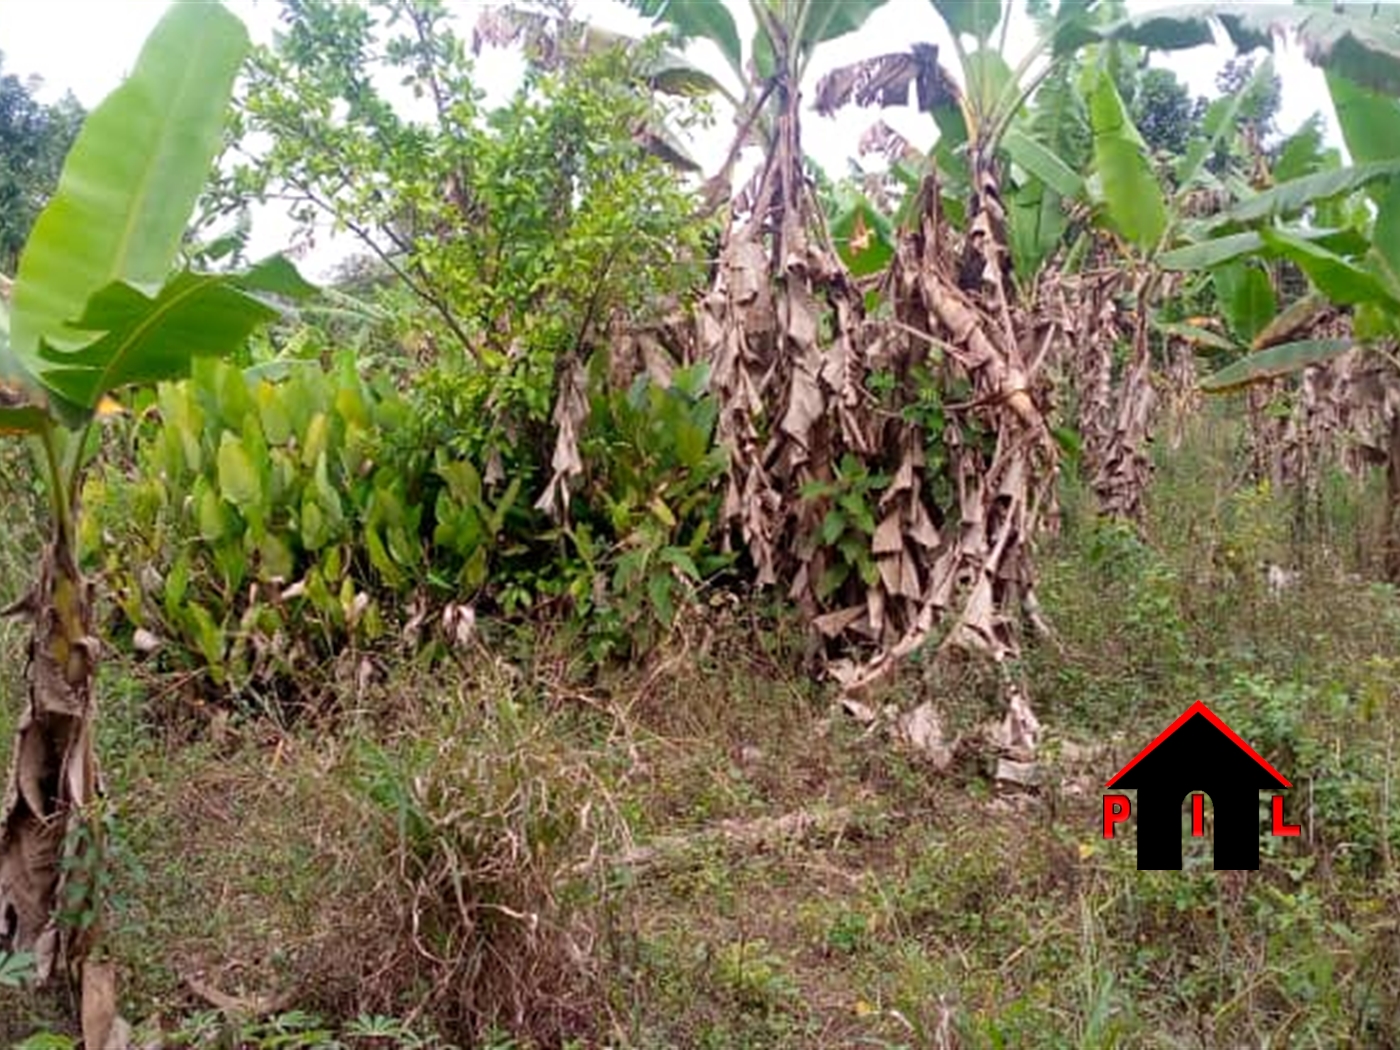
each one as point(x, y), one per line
point(1116, 809)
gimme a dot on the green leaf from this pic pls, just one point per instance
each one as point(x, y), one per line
point(1360, 42)
point(379, 558)
point(1134, 198)
point(1174, 31)
point(1060, 119)
point(1042, 163)
point(859, 512)
point(1370, 322)
point(988, 75)
point(662, 512)
point(863, 235)
point(1246, 298)
point(145, 340)
point(22, 419)
point(133, 175)
point(463, 481)
point(833, 526)
point(1220, 250)
point(698, 19)
point(974, 18)
point(1385, 236)
point(765, 63)
point(213, 516)
point(314, 533)
point(16, 968)
point(275, 275)
point(19, 411)
point(1370, 122)
point(829, 19)
point(659, 586)
point(208, 636)
point(1274, 362)
point(239, 482)
point(275, 558)
point(272, 412)
point(1036, 225)
point(1295, 195)
point(832, 579)
point(177, 583)
point(682, 560)
point(1302, 153)
point(673, 75)
point(1212, 253)
point(1339, 279)
point(14, 374)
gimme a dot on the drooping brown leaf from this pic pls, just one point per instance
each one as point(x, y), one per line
point(882, 139)
point(53, 776)
point(1183, 395)
point(963, 567)
point(1125, 466)
point(102, 1027)
point(944, 547)
point(570, 412)
point(885, 81)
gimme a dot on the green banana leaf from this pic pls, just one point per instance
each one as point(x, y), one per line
point(1274, 362)
point(133, 176)
point(146, 339)
point(1136, 206)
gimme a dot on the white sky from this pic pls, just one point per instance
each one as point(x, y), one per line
point(87, 46)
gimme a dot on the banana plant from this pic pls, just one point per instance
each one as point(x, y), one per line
point(1347, 251)
point(1340, 226)
point(1357, 40)
point(787, 35)
point(1358, 45)
point(987, 128)
point(95, 309)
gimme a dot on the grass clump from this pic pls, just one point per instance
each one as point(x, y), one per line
point(491, 811)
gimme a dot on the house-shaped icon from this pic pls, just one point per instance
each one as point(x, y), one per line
point(1198, 752)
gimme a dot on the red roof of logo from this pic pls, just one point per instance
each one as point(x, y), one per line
point(1199, 708)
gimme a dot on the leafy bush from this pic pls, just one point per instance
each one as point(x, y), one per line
point(650, 499)
point(271, 515)
point(516, 235)
point(278, 517)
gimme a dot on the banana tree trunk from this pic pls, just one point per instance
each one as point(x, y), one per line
point(1123, 473)
point(49, 840)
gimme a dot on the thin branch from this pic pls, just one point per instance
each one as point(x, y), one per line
point(417, 16)
point(420, 290)
point(596, 294)
point(727, 168)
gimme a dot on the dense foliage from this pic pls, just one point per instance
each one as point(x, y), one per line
point(34, 139)
point(522, 234)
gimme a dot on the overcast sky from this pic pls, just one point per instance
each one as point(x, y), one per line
point(87, 46)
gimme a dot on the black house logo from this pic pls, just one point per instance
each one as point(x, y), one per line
point(1197, 753)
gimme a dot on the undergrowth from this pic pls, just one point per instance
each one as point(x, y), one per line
point(518, 848)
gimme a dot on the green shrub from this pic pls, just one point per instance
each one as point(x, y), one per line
point(649, 502)
point(279, 516)
point(273, 519)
